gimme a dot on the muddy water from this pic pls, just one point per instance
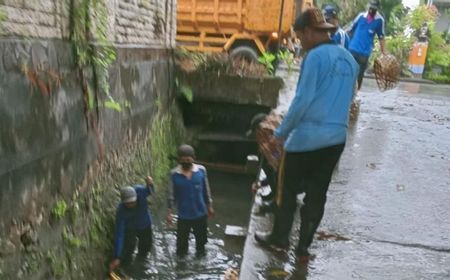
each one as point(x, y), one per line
point(232, 203)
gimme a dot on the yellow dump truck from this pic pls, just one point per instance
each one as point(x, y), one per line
point(242, 27)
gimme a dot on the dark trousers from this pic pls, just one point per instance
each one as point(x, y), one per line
point(145, 237)
point(309, 173)
point(199, 228)
point(363, 62)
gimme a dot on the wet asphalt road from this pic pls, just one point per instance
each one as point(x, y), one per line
point(390, 195)
point(391, 192)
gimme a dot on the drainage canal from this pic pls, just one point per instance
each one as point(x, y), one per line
point(218, 132)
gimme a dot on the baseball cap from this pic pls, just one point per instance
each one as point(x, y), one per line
point(128, 194)
point(313, 18)
point(375, 4)
point(185, 151)
point(329, 11)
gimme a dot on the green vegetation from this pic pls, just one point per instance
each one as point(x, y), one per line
point(59, 209)
point(71, 240)
point(288, 58)
point(89, 24)
point(57, 265)
point(267, 60)
point(3, 17)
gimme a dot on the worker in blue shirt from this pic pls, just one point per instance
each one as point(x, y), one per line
point(313, 132)
point(363, 30)
point(189, 191)
point(340, 37)
point(133, 222)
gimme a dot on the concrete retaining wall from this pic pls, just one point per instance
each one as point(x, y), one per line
point(56, 159)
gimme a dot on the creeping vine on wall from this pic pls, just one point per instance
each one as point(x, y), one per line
point(94, 53)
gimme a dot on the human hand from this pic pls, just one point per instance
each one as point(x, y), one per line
point(169, 218)
point(149, 181)
point(255, 187)
point(275, 143)
point(113, 265)
point(211, 211)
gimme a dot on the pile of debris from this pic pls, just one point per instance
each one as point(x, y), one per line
point(271, 151)
point(219, 63)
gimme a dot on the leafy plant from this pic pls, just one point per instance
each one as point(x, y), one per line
point(59, 209)
point(89, 24)
point(438, 50)
point(420, 15)
point(267, 60)
point(111, 104)
point(71, 240)
point(288, 58)
point(187, 93)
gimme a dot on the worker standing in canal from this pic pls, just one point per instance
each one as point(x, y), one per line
point(362, 31)
point(133, 222)
point(189, 191)
point(313, 132)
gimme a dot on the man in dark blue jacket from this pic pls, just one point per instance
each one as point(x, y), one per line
point(189, 191)
point(133, 221)
point(363, 30)
point(340, 37)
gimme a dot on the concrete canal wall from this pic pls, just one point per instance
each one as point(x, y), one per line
point(61, 159)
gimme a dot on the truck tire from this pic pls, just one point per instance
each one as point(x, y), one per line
point(244, 52)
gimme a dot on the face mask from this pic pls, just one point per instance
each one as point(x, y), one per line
point(372, 12)
point(186, 165)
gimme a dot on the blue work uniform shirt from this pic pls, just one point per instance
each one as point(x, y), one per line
point(191, 196)
point(318, 115)
point(132, 218)
point(341, 38)
point(364, 33)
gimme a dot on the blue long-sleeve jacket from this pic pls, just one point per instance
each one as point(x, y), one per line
point(341, 38)
point(191, 196)
point(132, 218)
point(318, 115)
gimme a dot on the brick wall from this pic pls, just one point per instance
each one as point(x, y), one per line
point(149, 23)
point(35, 18)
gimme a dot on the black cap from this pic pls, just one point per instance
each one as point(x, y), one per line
point(374, 4)
point(330, 11)
point(313, 18)
point(185, 151)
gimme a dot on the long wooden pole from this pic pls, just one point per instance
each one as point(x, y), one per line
point(280, 24)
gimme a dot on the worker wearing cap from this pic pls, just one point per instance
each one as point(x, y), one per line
point(313, 132)
point(363, 30)
point(189, 191)
point(340, 37)
point(133, 221)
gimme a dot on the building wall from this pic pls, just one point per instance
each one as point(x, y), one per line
point(148, 23)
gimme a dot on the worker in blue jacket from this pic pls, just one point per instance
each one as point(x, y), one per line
point(363, 30)
point(340, 37)
point(133, 222)
point(313, 131)
point(189, 192)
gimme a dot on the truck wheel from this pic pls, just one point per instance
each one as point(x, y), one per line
point(244, 52)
